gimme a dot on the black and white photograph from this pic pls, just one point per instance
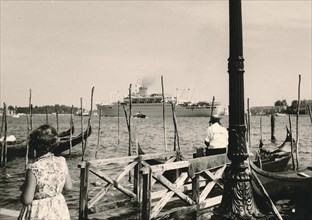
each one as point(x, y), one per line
point(156, 109)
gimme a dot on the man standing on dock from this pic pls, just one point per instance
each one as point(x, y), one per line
point(216, 137)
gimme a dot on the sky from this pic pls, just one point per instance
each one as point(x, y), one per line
point(61, 49)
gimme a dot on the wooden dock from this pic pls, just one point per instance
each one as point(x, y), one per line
point(8, 214)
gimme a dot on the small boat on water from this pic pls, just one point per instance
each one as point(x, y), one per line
point(19, 150)
point(280, 114)
point(139, 115)
point(83, 113)
point(11, 140)
point(152, 105)
point(15, 116)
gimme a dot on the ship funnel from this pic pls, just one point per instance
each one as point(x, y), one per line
point(143, 91)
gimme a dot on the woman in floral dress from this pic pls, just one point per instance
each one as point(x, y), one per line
point(45, 180)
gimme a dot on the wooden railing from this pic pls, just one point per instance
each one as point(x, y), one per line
point(130, 163)
point(200, 185)
point(191, 187)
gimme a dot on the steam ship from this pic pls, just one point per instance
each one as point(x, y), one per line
point(151, 105)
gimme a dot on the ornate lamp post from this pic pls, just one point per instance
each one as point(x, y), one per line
point(237, 201)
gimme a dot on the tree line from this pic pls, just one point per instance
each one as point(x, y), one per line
point(292, 109)
point(46, 109)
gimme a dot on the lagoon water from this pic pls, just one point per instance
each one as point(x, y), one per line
point(113, 142)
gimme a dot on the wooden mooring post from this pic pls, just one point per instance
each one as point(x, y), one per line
point(195, 194)
point(83, 196)
point(146, 200)
point(4, 149)
point(273, 139)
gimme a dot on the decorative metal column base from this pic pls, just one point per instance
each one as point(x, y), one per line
point(237, 201)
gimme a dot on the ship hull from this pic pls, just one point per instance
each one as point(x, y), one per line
point(155, 110)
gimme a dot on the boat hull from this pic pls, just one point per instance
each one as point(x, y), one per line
point(155, 110)
point(285, 185)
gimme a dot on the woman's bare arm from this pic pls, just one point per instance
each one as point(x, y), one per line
point(28, 189)
point(68, 183)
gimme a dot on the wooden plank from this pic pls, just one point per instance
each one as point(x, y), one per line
point(118, 186)
point(206, 191)
point(303, 174)
point(125, 170)
point(168, 161)
point(210, 202)
point(215, 177)
point(169, 166)
point(9, 212)
point(102, 162)
point(177, 212)
point(110, 205)
point(187, 187)
point(102, 193)
point(99, 195)
point(158, 155)
point(127, 212)
point(166, 183)
point(158, 207)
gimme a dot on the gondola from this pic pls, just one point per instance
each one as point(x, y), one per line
point(269, 150)
point(64, 144)
point(65, 141)
point(272, 159)
point(275, 162)
point(287, 184)
point(67, 133)
point(21, 141)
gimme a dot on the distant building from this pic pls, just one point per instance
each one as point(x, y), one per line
point(267, 110)
point(307, 104)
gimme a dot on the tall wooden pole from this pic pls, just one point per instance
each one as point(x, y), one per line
point(310, 113)
point(237, 200)
point(2, 144)
point(129, 126)
point(99, 133)
point(47, 117)
point(273, 139)
point(5, 146)
point(30, 112)
point(71, 131)
point(164, 112)
point(297, 124)
point(212, 108)
point(89, 120)
point(248, 124)
point(57, 119)
point(118, 122)
point(82, 138)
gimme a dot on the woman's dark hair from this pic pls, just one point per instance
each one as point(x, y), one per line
point(43, 139)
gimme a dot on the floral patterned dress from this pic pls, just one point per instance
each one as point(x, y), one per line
point(49, 203)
